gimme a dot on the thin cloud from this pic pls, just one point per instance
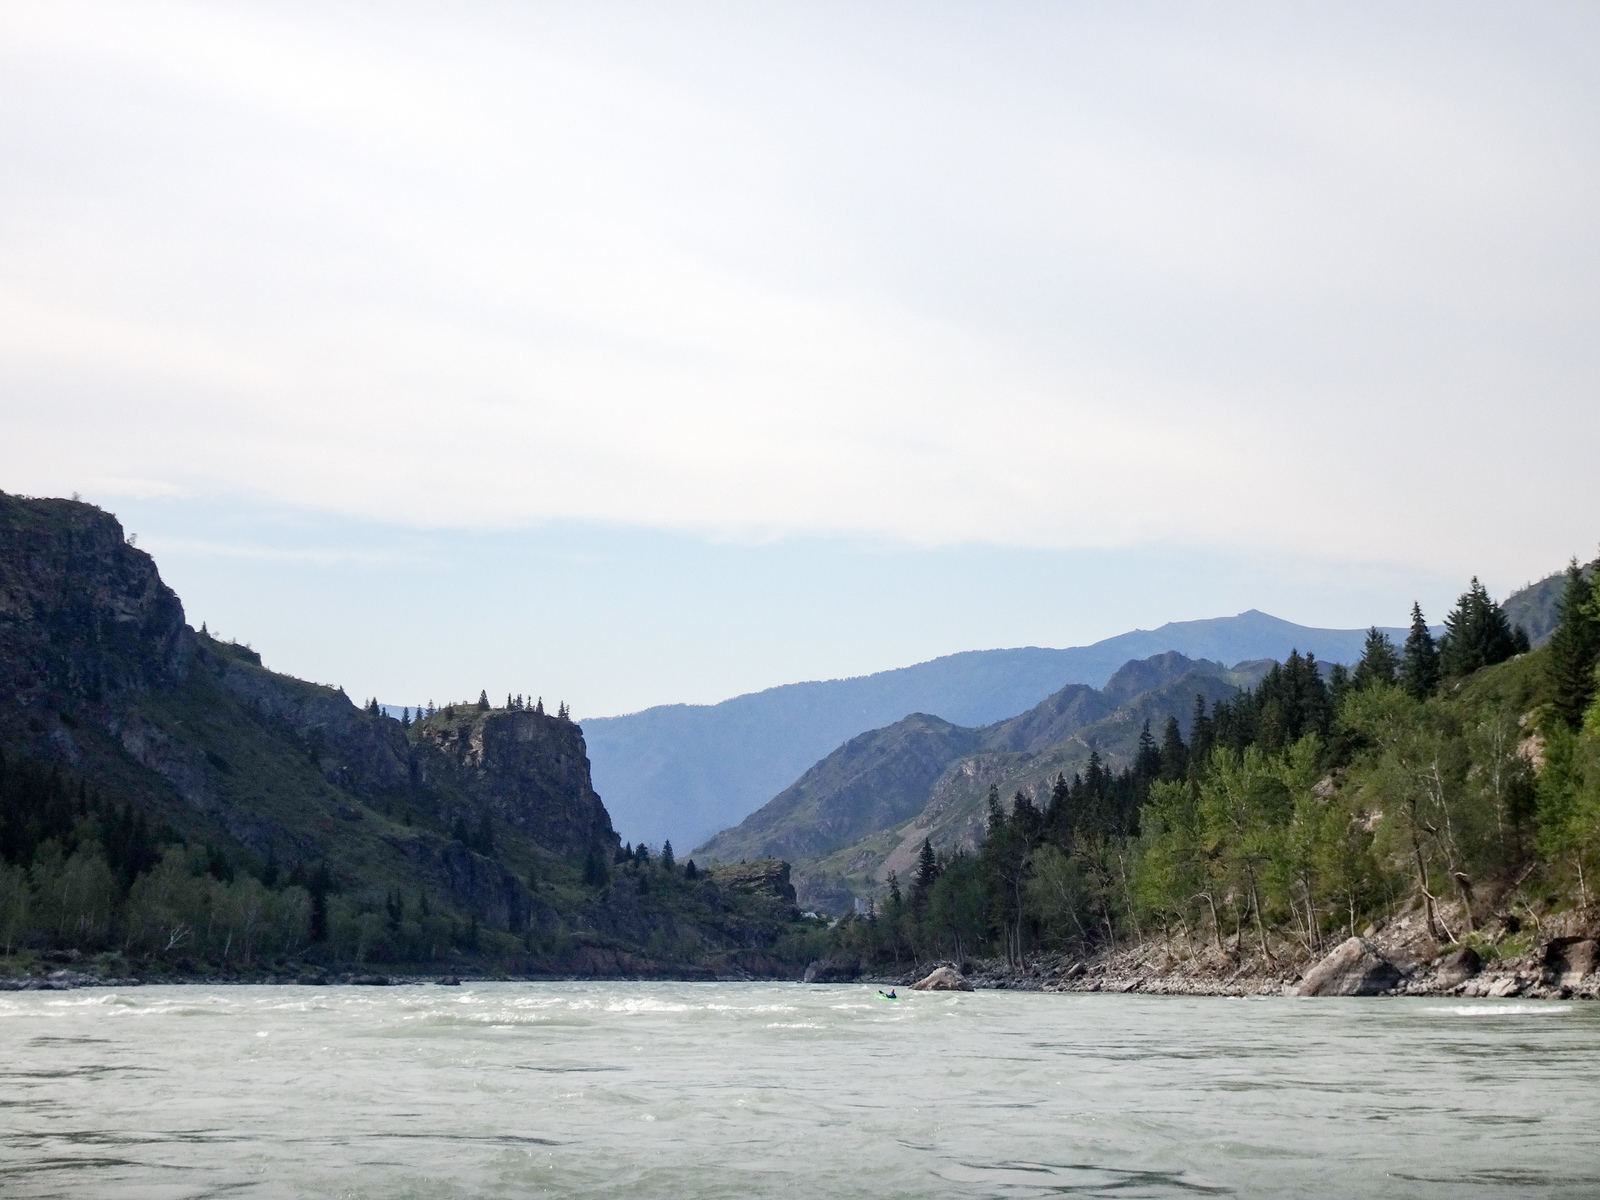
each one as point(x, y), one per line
point(1027, 277)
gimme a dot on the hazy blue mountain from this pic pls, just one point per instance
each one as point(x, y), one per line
point(864, 809)
point(878, 779)
point(684, 771)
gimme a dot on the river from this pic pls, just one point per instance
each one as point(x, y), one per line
point(784, 1090)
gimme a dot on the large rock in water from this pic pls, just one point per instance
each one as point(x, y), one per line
point(942, 979)
point(1355, 968)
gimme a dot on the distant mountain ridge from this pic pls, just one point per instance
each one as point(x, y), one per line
point(684, 772)
point(864, 809)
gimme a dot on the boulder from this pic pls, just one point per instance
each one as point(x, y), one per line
point(942, 979)
point(1568, 960)
point(1355, 968)
point(1455, 968)
point(839, 969)
point(1502, 988)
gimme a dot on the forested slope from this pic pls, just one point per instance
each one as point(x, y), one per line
point(684, 772)
point(1457, 781)
point(863, 810)
point(166, 799)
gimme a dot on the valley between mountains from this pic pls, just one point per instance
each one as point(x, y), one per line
point(171, 808)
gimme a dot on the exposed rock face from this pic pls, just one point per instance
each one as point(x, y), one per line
point(942, 979)
point(83, 615)
point(1568, 960)
point(1355, 968)
point(770, 876)
point(530, 769)
point(99, 672)
point(1455, 968)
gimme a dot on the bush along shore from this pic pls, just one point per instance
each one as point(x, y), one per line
point(1428, 823)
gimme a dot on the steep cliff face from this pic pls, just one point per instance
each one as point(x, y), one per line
point(84, 616)
point(99, 673)
point(530, 769)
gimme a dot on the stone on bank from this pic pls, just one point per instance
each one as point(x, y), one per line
point(1355, 968)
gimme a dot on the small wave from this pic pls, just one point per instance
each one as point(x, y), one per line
point(751, 1008)
point(644, 1006)
point(1504, 1010)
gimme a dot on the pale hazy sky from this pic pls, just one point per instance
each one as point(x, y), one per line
point(762, 342)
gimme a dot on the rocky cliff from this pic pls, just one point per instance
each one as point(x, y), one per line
point(100, 674)
point(84, 616)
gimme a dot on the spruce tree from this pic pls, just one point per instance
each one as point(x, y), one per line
point(927, 873)
point(1574, 647)
point(667, 860)
point(1419, 666)
point(1147, 762)
point(1379, 664)
point(1174, 754)
point(1202, 735)
point(1477, 633)
point(483, 700)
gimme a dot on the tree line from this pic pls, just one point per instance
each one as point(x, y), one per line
point(1299, 811)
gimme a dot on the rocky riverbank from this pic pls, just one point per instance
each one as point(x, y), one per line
point(1559, 959)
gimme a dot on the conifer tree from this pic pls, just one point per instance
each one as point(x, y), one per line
point(1202, 735)
point(668, 863)
point(1477, 633)
point(1174, 754)
point(1419, 666)
point(483, 700)
point(927, 873)
point(1574, 647)
point(1147, 762)
point(1379, 665)
point(690, 871)
point(1058, 813)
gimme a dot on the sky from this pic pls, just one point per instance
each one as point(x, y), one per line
point(634, 353)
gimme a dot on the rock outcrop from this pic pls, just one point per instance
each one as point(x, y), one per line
point(942, 979)
point(528, 768)
point(84, 615)
point(769, 876)
point(99, 673)
point(1569, 960)
point(1355, 968)
point(1455, 968)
